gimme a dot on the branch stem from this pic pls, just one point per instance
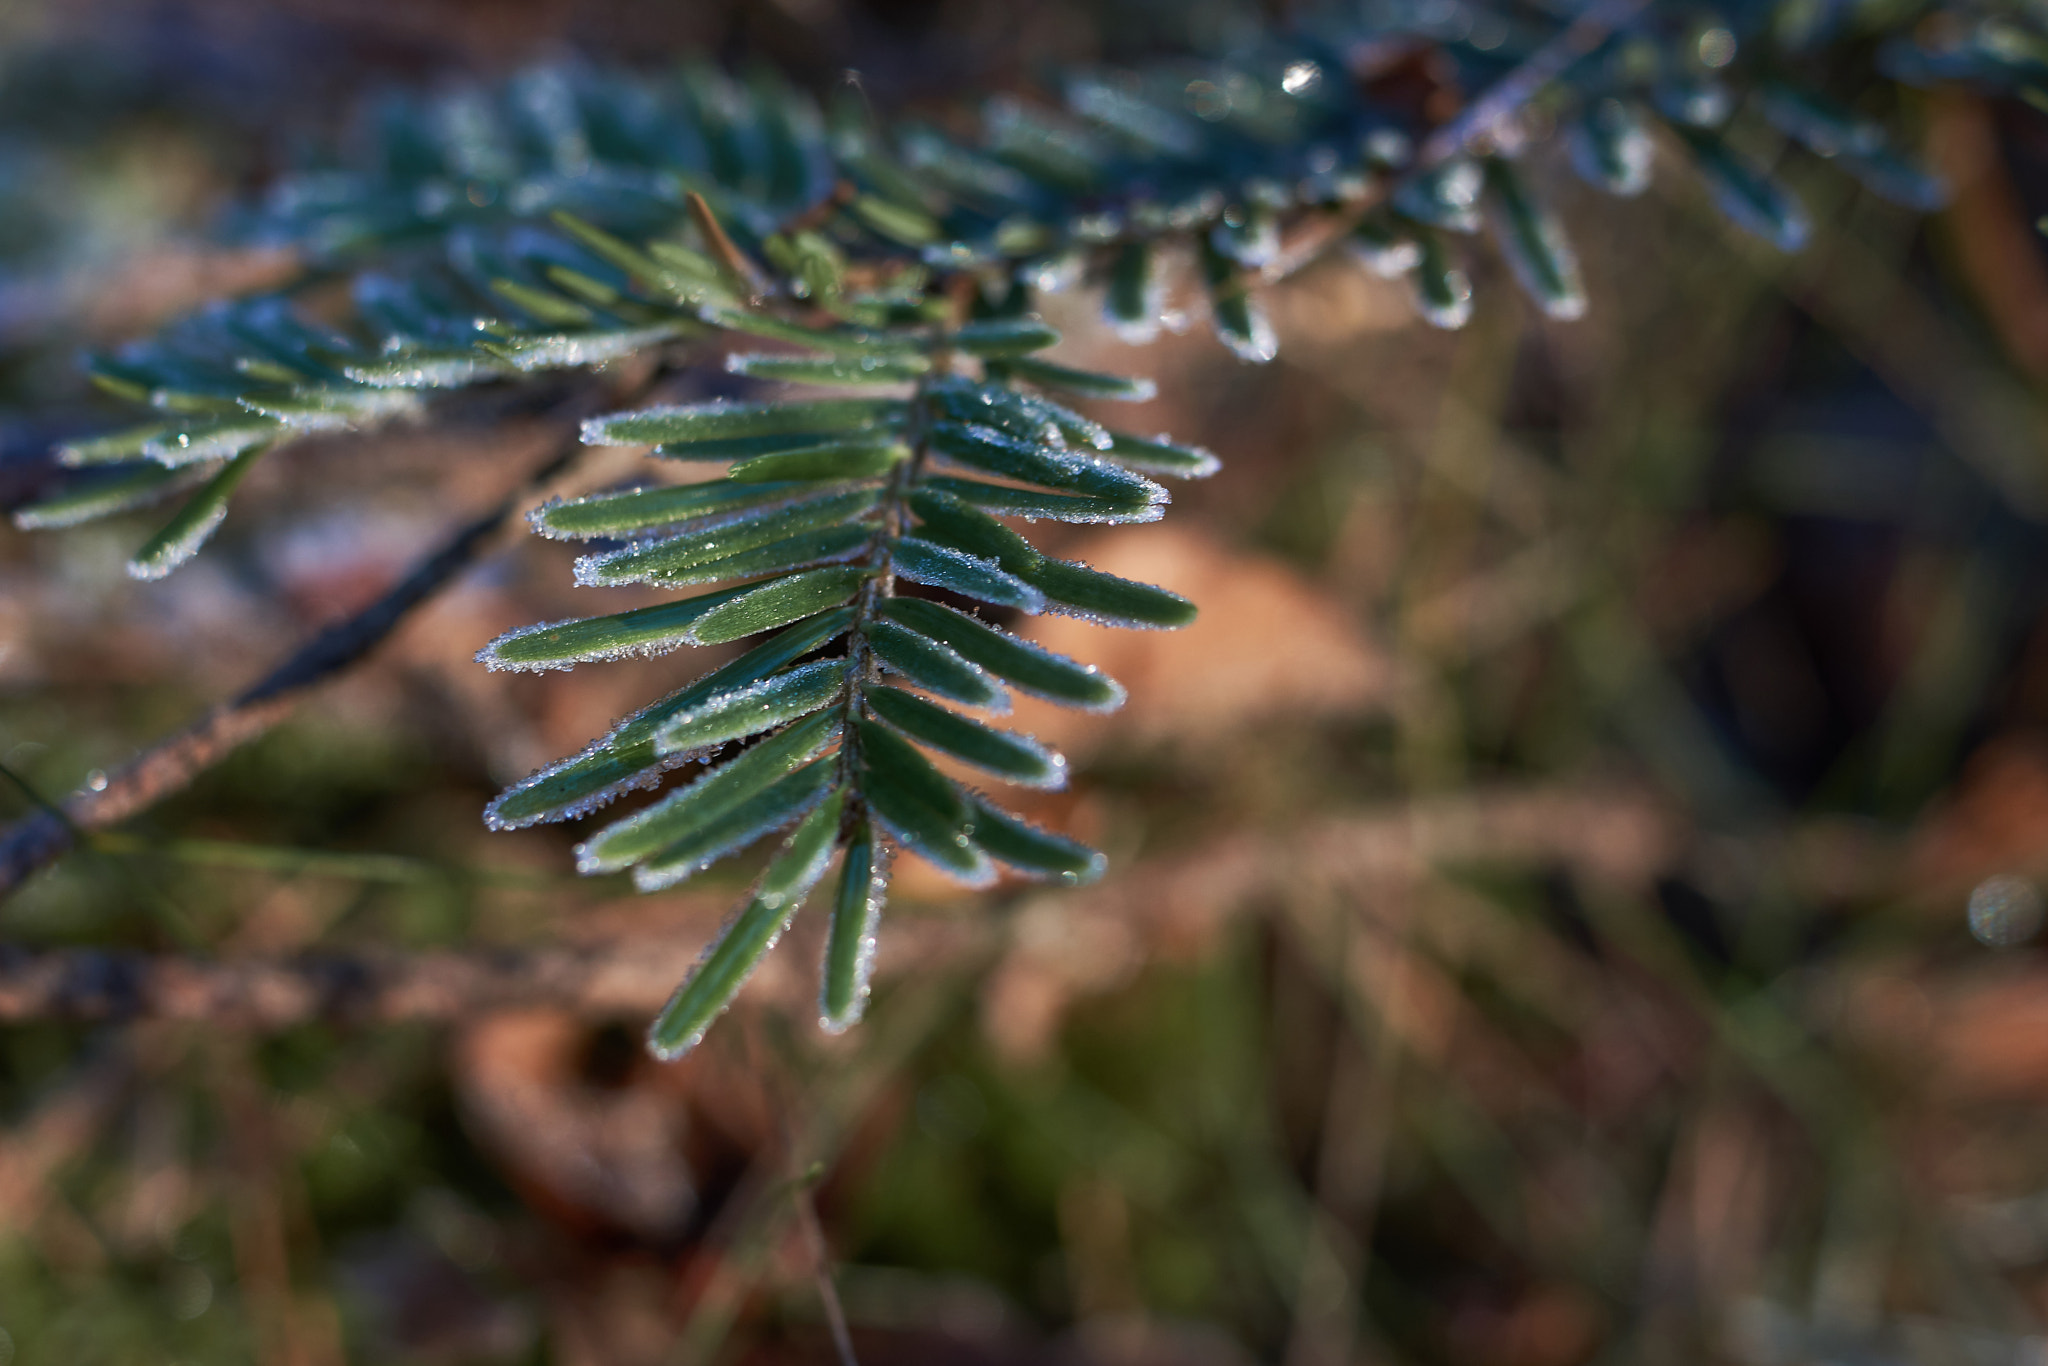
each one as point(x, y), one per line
point(1486, 116)
point(43, 836)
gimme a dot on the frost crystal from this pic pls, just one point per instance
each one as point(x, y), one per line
point(654, 875)
point(171, 554)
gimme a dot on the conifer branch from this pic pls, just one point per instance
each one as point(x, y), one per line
point(895, 269)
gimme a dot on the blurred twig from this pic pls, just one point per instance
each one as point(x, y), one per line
point(776, 1080)
point(1616, 835)
point(1352, 1145)
point(1976, 406)
point(1486, 116)
point(94, 984)
point(290, 1329)
point(1996, 248)
point(1483, 120)
point(735, 1252)
point(42, 837)
point(333, 863)
point(64, 1124)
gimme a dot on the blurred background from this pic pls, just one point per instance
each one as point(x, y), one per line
point(1575, 895)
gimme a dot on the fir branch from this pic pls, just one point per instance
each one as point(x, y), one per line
point(900, 260)
point(834, 202)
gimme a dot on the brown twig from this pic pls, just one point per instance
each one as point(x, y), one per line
point(821, 1273)
point(1350, 1166)
point(266, 1208)
point(1482, 120)
point(1616, 835)
point(744, 272)
point(97, 984)
point(170, 765)
point(777, 1080)
point(62, 1125)
point(1075, 942)
point(1486, 116)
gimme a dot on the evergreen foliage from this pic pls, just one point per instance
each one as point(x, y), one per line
point(890, 405)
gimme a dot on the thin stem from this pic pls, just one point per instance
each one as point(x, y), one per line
point(777, 1081)
point(37, 799)
point(821, 1269)
point(771, 1055)
point(147, 892)
point(329, 863)
point(39, 839)
point(1486, 116)
point(1614, 837)
point(860, 665)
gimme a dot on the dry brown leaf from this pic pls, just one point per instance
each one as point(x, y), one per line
point(592, 1155)
point(1266, 644)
